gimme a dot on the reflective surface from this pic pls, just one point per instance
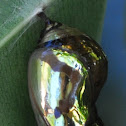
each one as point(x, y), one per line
point(66, 75)
point(57, 83)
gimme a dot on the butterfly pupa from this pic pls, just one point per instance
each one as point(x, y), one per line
point(65, 76)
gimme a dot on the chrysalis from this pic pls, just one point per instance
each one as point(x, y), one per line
point(65, 76)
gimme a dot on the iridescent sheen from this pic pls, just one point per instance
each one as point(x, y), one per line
point(65, 76)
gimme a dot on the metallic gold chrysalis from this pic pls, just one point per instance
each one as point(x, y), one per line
point(65, 76)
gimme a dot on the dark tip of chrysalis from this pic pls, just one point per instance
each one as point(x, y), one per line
point(43, 16)
point(49, 25)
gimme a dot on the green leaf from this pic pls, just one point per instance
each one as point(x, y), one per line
point(19, 32)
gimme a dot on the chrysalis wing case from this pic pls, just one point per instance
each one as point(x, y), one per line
point(65, 76)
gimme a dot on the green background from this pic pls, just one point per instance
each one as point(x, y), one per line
point(18, 38)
